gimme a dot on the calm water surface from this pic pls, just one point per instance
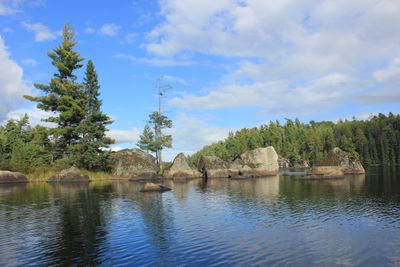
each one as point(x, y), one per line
point(271, 221)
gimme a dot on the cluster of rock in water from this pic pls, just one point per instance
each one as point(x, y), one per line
point(138, 165)
point(135, 165)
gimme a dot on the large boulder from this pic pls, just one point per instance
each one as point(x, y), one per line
point(134, 164)
point(337, 163)
point(71, 175)
point(180, 169)
point(213, 167)
point(259, 162)
point(347, 162)
point(7, 177)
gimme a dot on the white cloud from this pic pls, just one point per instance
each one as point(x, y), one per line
point(391, 72)
point(30, 62)
point(7, 30)
point(35, 115)
point(124, 136)
point(192, 133)
point(387, 90)
point(89, 30)
point(290, 55)
point(7, 8)
point(12, 85)
point(173, 79)
point(42, 32)
point(320, 93)
point(110, 29)
point(154, 61)
point(10, 7)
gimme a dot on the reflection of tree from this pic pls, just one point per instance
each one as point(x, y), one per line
point(157, 214)
point(81, 225)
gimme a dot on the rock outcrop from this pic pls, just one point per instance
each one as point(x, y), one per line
point(180, 169)
point(213, 167)
point(257, 163)
point(8, 177)
point(337, 163)
point(71, 175)
point(151, 187)
point(134, 164)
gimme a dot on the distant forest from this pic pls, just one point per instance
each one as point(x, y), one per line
point(374, 141)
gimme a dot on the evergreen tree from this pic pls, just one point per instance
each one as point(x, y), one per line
point(146, 140)
point(64, 96)
point(92, 153)
point(161, 140)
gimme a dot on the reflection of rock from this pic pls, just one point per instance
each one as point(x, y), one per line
point(266, 187)
point(151, 187)
point(336, 164)
point(180, 169)
point(71, 175)
point(324, 172)
point(356, 181)
point(134, 164)
point(12, 177)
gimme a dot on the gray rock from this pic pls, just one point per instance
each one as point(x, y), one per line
point(257, 163)
point(151, 187)
point(214, 166)
point(71, 175)
point(336, 164)
point(8, 177)
point(324, 172)
point(134, 164)
point(180, 169)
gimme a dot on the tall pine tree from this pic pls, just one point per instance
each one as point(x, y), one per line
point(92, 148)
point(64, 96)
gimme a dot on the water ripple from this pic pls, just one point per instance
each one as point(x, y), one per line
point(270, 221)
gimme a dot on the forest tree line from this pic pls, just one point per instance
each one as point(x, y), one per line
point(374, 141)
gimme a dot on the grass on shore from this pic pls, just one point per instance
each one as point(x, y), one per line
point(43, 175)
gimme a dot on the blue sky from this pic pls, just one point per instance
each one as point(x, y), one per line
point(231, 64)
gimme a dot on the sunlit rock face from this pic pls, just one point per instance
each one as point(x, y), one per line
point(7, 177)
point(180, 169)
point(134, 164)
point(257, 163)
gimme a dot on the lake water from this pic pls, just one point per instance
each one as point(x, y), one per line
point(270, 221)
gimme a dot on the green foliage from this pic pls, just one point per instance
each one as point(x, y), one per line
point(146, 140)
point(63, 95)
point(376, 141)
point(80, 135)
point(91, 151)
point(159, 122)
point(22, 147)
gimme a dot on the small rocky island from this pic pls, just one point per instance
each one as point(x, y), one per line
point(336, 164)
point(136, 165)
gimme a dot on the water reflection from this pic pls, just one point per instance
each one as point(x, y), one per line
point(265, 221)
